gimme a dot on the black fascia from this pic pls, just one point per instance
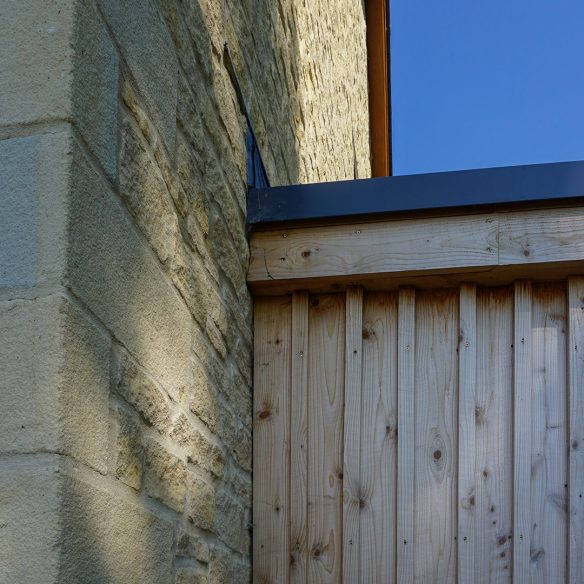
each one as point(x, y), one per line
point(536, 183)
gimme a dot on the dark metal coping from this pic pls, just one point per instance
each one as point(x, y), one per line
point(537, 183)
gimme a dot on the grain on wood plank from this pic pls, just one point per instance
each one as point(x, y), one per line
point(541, 236)
point(352, 495)
point(326, 341)
point(406, 435)
point(522, 393)
point(299, 440)
point(379, 439)
point(436, 423)
point(369, 248)
point(494, 436)
point(467, 350)
point(549, 435)
point(272, 324)
point(576, 432)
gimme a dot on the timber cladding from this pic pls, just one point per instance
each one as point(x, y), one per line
point(420, 435)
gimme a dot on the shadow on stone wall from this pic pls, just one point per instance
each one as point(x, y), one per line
point(157, 261)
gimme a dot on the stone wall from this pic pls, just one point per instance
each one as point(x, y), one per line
point(125, 321)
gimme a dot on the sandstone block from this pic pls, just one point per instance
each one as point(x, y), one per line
point(54, 385)
point(109, 539)
point(126, 449)
point(204, 399)
point(34, 177)
point(112, 269)
point(37, 60)
point(29, 520)
point(140, 391)
point(95, 85)
point(147, 47)
point(192, 546)
point(144, 191)
point(165, 476)
point(200, 502)
point(198, 449)
point(230, 523)
point(221, 567)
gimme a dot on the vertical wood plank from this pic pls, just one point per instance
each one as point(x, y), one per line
point(272, 325)
point(576, 448)
point(522, 392)
point(379, 439)
point(467, 351)
point(494, 436)
point(299, 440)
point(352, 495)
point(406, 435)
point(436, 374)
point(326, 368)
point(549, 435)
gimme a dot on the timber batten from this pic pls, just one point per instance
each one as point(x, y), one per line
point(435, 395)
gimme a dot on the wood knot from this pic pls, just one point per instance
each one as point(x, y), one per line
point(316, 553)
point(366, 334)
point(265, 414)
point(437, 454)
point(306, 253)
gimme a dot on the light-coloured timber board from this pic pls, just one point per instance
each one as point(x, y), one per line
point(495, 247)
point(576, 440)
point(352, 496)
point(379, 438)
point(436, 448)
point(494, 436)
point(299, 440)
point(406, 404)
point(549, 460)
point(272, 323)
point(326, 369)
point(467, 351)
point(522, 392)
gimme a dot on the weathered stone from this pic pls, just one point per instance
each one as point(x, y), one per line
point(108, 539)
point(126, 450)
point(230, 523)
point(144, 191)
point(55, 380)
point(190, 576)
point(221, 567)
point(204, 399)
point(198, 449)
point(34, 177)
point(165, 475)
point(147, 48)
point(37, 60)
point(95, 86)
point(192, 546)
point(141, 392)
point(200, 502)
point(112, 270)
point(29, 521)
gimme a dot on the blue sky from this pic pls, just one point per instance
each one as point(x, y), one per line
point(481, 83)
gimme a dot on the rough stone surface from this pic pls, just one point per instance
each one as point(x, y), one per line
point(200, 502)
point(55, 380)
point(192, 546)
point(34, 178)
point(165, 475)
point(106, 538)
point(29, 519)
point(147, 48)
point(137, 388)
point(190, 576)
point(126, 449)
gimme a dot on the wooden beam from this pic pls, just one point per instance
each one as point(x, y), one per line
point(416, 247)
point(379, 87)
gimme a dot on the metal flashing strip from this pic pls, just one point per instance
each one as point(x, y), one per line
point(537, 183)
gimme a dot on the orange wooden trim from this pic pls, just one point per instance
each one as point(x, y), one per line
point(378, 73)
